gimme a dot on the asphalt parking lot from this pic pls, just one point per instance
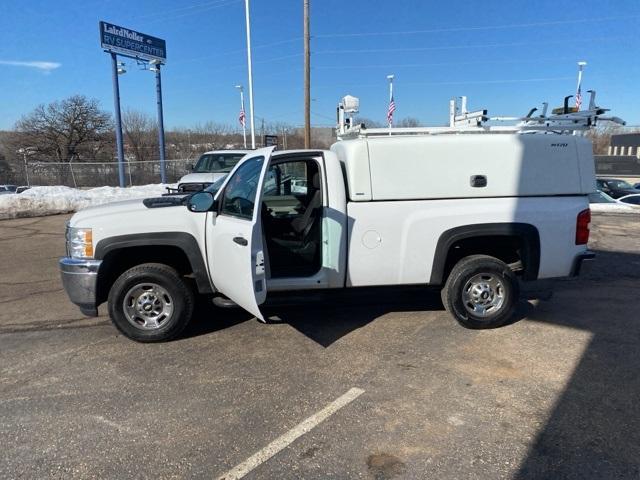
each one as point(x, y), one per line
point(554, 395)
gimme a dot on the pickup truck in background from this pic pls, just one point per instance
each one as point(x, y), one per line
point(475, 214)
point(210, 167)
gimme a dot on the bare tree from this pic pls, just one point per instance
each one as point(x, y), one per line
point(7, 175)
point(408, 122)
point(601, 137)
point(140, 134)
point(73, 129)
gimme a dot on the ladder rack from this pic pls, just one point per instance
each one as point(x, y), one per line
point(565, 120)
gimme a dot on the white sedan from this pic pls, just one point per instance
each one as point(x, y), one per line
point(633, 199)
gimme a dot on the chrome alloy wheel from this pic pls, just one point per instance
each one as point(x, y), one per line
point(483, 295)
point(147, 306)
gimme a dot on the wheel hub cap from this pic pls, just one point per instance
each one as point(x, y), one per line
point(483, 295)
point(147, 306)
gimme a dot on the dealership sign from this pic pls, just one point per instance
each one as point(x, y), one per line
point(131, 43)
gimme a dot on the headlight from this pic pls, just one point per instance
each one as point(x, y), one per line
point(79, 242)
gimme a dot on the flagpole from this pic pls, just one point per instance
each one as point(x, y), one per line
point(253, 132)
point(581, 65)
point(244, 117)
point(390, 119)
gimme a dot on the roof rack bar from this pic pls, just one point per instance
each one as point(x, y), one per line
point(566, 120)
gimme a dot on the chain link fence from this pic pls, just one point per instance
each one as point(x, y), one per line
point(98, 174)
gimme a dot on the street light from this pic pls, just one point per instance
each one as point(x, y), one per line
point(242, 116)
point(155, 67)
point(25, 153)
point(121, 70)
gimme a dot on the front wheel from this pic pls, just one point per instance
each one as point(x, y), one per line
point(150, 303)
point(481, 292)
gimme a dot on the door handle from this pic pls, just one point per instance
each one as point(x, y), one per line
point(241, 241)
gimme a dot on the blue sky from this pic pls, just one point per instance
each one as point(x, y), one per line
point(507, 56)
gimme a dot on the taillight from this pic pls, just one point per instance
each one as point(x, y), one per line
point(582, 227)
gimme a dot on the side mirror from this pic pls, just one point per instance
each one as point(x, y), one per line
point(201, 202)
point(191, 167)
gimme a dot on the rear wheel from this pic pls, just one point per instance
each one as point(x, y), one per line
point(481, 292)
point(150, 303)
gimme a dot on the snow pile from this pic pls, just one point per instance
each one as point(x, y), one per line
point(38, 201)
point(613, 208)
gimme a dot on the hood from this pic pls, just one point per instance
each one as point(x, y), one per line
point(132, 217)
point(201, 177)
point(87, 215)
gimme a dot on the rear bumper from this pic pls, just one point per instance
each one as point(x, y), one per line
point(577, 262)
point(79, 279)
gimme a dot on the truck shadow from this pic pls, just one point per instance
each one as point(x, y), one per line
point(594, 429)
point(327, 316)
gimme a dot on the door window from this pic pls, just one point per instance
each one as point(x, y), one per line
point(239, 195)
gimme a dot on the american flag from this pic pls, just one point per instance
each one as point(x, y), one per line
point(392, 108)
point(241, 117)
point(578, 98)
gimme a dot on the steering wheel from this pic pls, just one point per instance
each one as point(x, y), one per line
point(241, 205)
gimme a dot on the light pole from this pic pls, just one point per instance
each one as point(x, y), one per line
point(156, 68)
point(118, 69)
point(25, 153)
point(248, 22)
point(307, 76)
point(242, 117)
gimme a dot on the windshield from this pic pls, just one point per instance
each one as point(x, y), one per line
point(600, 197)
point(215, 186)
point(632, 199)
point(217, 162)
point(621, 184)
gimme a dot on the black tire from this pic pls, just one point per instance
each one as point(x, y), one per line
point(160, 287)
point(467, 284)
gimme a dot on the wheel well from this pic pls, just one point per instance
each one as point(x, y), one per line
point(116, 262)
point(516, 244)
point(507, 248)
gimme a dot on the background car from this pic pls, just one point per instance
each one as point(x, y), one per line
point(631, 199)
point(600, 197)
point(614, 187)
point(210, 167)
point(7, 189)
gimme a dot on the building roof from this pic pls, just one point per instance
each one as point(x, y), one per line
point(625, 140)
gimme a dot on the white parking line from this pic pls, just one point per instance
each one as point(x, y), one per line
point(288, 438)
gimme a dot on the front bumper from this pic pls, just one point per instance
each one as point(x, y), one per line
point(577, 262)
point(80, 279)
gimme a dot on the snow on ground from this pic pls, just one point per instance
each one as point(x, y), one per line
point(614, 208)
point(39, 201)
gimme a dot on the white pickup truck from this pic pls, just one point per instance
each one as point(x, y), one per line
point(210, 167)
point(473, 213)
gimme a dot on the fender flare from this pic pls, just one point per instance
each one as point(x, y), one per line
point(184, 241)
point(526, 232)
